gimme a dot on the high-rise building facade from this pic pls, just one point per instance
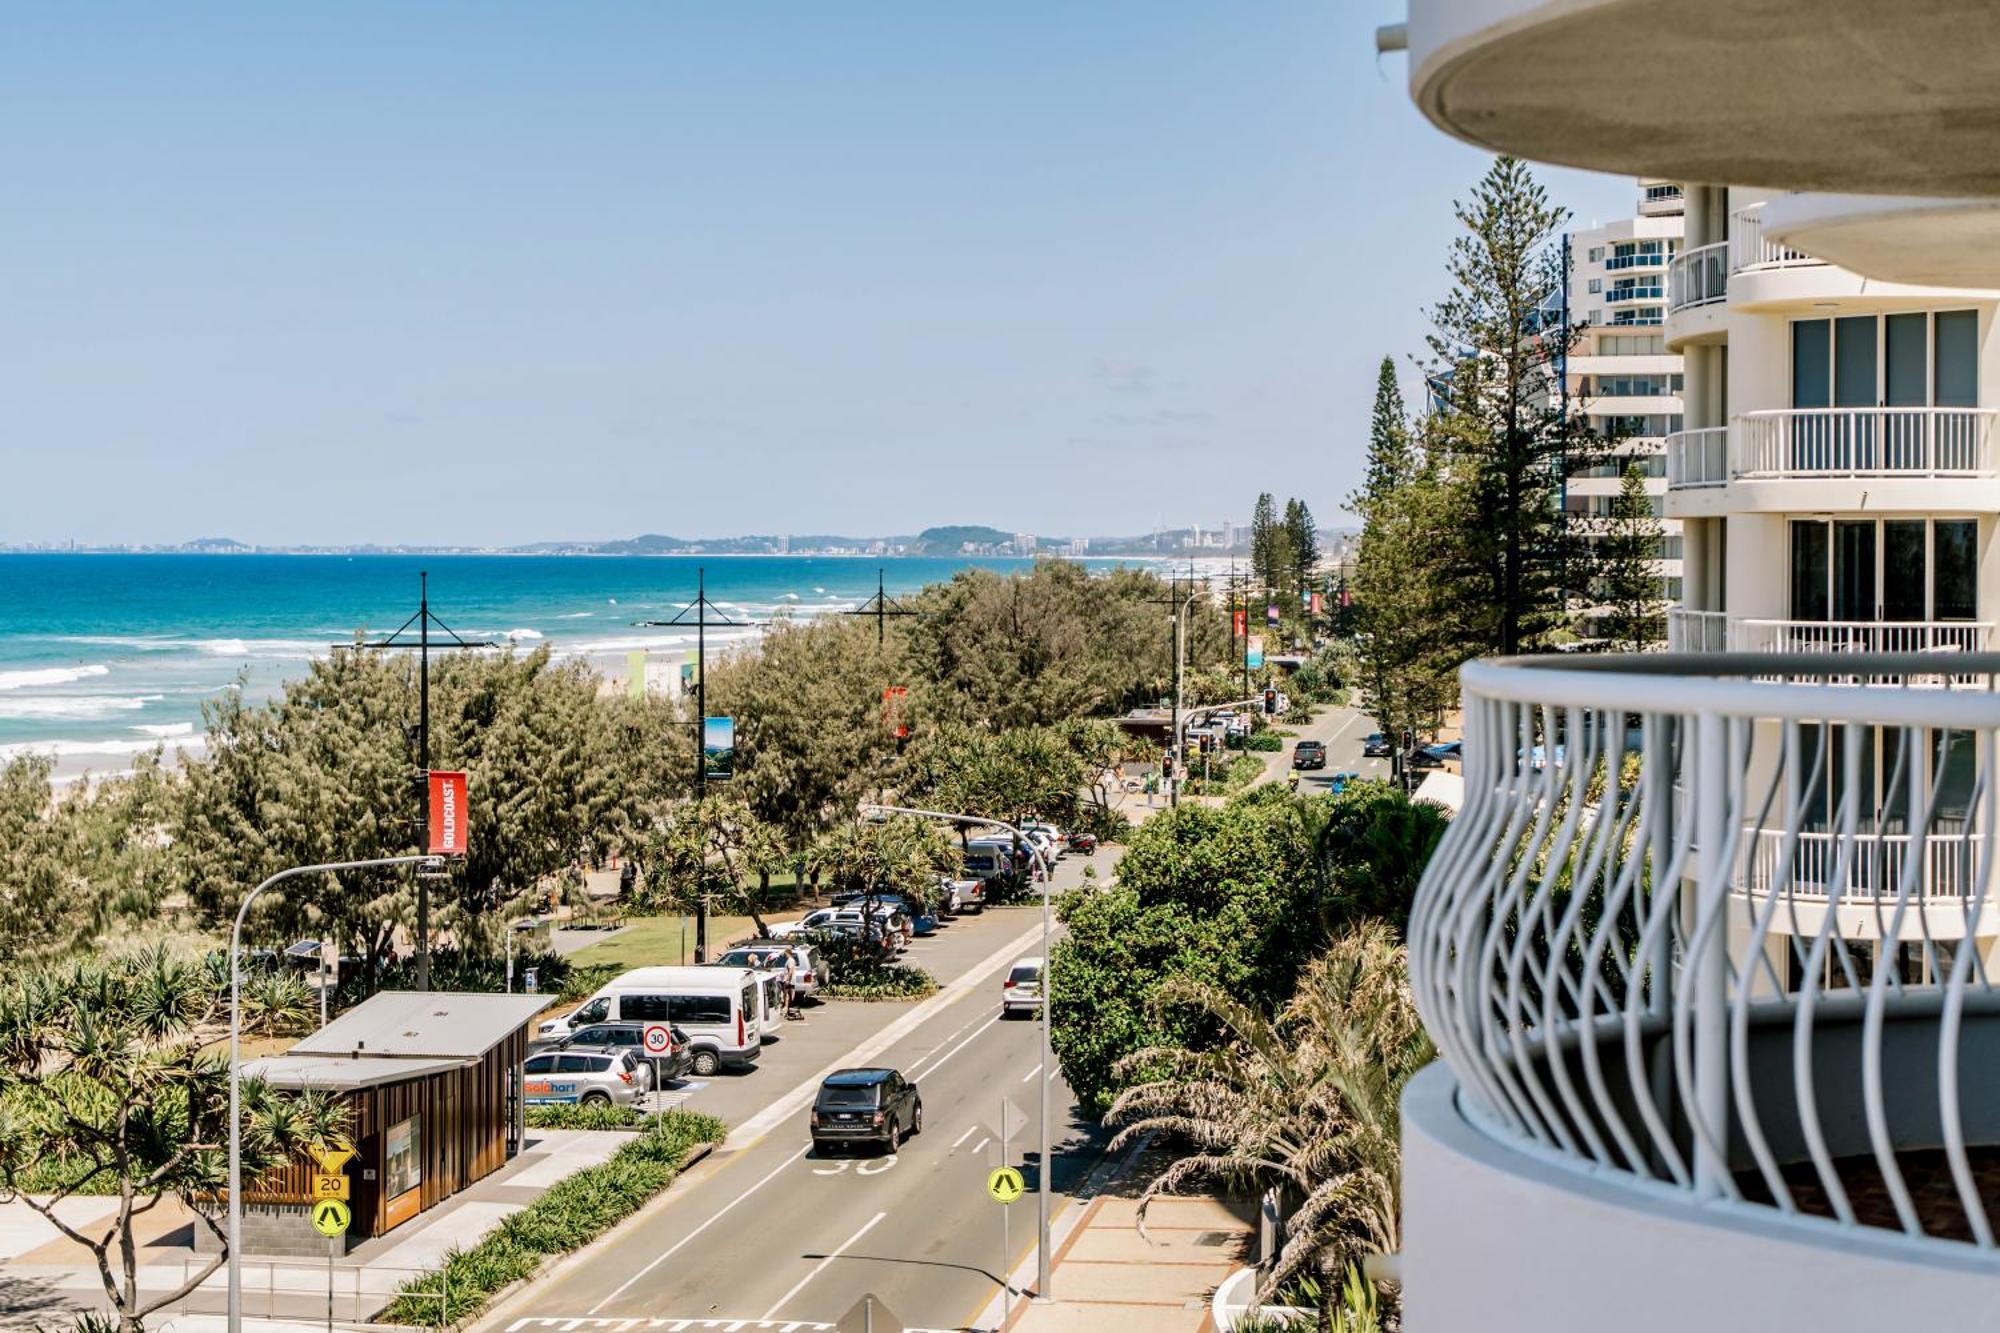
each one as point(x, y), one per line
point(1712, 953)
point(1620, 373)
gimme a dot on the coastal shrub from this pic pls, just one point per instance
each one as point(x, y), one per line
point(894, 982)
point(1239, 772)
point(1265, 741)
point(1109, 825)
point(571, 1115)
point(454, 969)
point(568, 1216)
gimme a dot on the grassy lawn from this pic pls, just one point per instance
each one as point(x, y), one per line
point(654, 941)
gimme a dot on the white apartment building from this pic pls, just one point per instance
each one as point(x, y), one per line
point(1710, 953)
point(1620, 373)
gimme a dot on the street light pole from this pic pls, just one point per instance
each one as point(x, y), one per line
point(236, 1063)
point(1044, 1277)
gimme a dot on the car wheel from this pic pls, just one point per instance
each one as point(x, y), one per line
point(916, 1120)
point(705, 1063)
point(597, 1100)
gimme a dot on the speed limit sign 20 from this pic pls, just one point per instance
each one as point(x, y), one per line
point(659, 1038)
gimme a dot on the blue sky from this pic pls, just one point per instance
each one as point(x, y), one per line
point(499, 272)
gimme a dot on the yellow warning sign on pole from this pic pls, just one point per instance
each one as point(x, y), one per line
point(330, 1187)
point(1005, 1184)
point(330, 1159)
point(330, 1217)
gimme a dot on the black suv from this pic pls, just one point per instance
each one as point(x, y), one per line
point(1309, 754)
point(877, 1106)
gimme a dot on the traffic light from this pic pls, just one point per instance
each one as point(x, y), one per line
point(1270, 699)
point(1409, 740)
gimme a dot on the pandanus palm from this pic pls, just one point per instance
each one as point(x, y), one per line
point(1304, 1102)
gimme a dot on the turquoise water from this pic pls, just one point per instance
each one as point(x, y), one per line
point(103, 656)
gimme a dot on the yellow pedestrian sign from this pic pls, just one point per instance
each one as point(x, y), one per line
point(330, 1187)
point(1005, 1184)
point(330, 1159)
point(330, 1218)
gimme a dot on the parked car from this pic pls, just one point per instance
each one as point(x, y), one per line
point(717, 1007)
point(1377, 746)
point(1021, 988)
point(956, 896)
point(588, 1078)
point(1309, 754)
point(885, 925)
point(876, 1106)
point(920, 922)
point(673, 1064)
point(809, 970)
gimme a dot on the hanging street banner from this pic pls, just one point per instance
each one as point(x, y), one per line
point(447, 814)
point(893, 697)
point(1254, 654)
point(1241, 623)
point(690, 673)
point(1318, 603)
point(635, 673)
point(1271, 616)
point(718, 748)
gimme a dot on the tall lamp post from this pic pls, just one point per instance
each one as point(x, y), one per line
point(236, 1061)
point(1042, 1265)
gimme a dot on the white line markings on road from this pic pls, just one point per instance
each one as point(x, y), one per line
point(881, 1165)
point(938, 1063)
point(715, 1217)
point(820, 1267)
point(670, 1324)
point(1031, 1073)
point(970, 1130)
point(980, 1146)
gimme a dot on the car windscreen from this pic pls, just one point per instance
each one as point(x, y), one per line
point(1021, 974)
point(863, 1095)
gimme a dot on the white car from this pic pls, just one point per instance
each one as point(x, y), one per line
point(808, 972)
point(1021, 988)
point(826, 917)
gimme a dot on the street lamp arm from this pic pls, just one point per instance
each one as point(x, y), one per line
point(236, 1059)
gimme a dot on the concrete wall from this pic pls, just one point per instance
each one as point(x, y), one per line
point(275, 1230)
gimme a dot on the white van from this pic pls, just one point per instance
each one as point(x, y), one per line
point(720, 1009)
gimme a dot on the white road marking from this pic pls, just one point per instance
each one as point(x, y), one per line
point(883, 1165)
point(715, 1217)
point(970, 1130)
point(1031, 1073)
point(939, 1062)
point(820, 1267)
point(1343, 729)
point(834, 1171)
point(980, 1146)
point(671, 1324)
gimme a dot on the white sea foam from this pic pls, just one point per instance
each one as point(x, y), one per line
point(163, 730)
point(576, 615)
point(16, 680)
point(520, 635)
point(84, 749)
point(74, 705)
point(271, 650)
point(791, 597)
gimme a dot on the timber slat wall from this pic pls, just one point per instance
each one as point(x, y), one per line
point(464, 1129)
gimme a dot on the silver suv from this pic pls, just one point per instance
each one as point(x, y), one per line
point(589, 1078)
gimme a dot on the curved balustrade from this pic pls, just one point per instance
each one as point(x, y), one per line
point(1698, 277)
point(1612, 1003)
point(1698, 457)
point(1749, 249)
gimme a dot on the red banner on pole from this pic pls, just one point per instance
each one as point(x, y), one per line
point(1240, 617)
point(448, 814)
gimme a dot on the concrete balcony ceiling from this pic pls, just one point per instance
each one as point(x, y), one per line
point(1895, 238)
point(1860, 95)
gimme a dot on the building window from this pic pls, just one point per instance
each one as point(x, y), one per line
point(1892, 570)
point(1915, 359)
point(1596, 285)
point(403, 1157)
point(1597, 254)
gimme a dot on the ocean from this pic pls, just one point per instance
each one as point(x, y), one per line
point(105, 656)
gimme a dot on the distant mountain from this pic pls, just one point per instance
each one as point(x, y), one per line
point(952, 540)
point(216, 544)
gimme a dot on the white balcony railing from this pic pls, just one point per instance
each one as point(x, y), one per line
point(1698, 457)
point(1696, 631)
point(1867, 867)
point(1698, 277)
point(1860, 636)
point(1612, 1005)
point(1749, 249)
point(1865, 442)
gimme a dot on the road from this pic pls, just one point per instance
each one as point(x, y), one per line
point(766, 1230)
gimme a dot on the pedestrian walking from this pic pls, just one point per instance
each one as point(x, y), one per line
point(792, 986)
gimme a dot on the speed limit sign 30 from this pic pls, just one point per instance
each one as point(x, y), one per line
point(658, 1038)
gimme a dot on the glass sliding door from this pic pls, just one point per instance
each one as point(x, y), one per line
point(1961, 444)
point(1905, 383)
point(1812, 386)
point(1955, 570)
point(1854, 385)
point(1903, 568)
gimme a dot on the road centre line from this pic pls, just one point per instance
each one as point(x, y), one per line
point(820, 1267)
point(668, 1253)
point(969, 1132)
point(939, 1062)
point(796, 1100)
point(1031, 1073)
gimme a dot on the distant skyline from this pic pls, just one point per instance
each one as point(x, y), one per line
point(478, 274)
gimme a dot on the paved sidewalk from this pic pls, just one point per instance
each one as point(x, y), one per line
point(1110, 1279)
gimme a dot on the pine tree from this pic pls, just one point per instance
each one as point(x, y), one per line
point(1628, 584)
point(1264, 540)
point(1391, 461)
point(1499, 433)
point(1301, 543)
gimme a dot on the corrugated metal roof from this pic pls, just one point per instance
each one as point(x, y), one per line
point(448, 1025)
point(339, 1074)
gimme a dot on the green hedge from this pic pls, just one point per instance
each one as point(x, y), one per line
point(895, 982)
point(569, 1115)
point(571, 1214)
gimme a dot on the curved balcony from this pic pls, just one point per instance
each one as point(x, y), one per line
point(1923, 242)
point(1865, 442)
point(1749, 635)
point(1698, 277)
point(1750, 247)
point(1696, 631)
point(1845, 95)
point(1698, 458)
point(1651, 292)
point(1643, 1064)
